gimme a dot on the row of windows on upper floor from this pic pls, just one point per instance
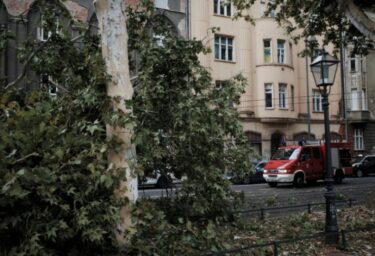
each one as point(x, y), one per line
point(225, 8)
point(225, 48)
point(358, 98)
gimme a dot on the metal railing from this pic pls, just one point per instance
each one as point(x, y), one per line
point(309, 207)
point(276, 244)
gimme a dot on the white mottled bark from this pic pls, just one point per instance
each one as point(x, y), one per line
point(114, 42)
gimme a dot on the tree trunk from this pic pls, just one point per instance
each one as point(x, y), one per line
point(114, 42)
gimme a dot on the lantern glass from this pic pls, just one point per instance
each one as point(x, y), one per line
point(324, 68)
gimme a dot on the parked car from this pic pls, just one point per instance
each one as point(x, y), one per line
point(157, 180)
point(364, 166)
point(256, 176)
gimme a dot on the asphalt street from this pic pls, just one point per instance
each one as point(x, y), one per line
point(261, 195)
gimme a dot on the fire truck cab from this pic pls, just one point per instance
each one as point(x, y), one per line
point(306, 163)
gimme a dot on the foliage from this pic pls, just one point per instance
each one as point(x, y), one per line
point(312, 18)
point(56, 187)
point(185, 124)
point(186, 127)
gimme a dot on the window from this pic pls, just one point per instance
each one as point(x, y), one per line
point(159, 40)
point(305, 154)
point(364, 99)
point(282, 96)
point(317, 101)
point(355, 100)
point(222, 7)
point(162, 4)
point(224, 48)
point(219, 85)
point(268, 95)
point(353, 65)
point(315, 53)
point(359, 100)
point(280, 51)
point(358, 139)
point(267, 50)
point(46, 82)
point(262, 8)
point(292, 98)
point(291, 54)
point(42, 34)
point(272, 12)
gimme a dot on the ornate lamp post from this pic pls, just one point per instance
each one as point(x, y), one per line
point(324, 69)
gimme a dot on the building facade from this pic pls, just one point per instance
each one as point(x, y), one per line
point(360, 105)
point(23, 19)
point(281, 101)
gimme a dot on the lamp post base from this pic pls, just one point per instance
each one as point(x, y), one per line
point(332, 233)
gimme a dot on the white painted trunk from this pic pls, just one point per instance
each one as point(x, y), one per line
point(114, 42)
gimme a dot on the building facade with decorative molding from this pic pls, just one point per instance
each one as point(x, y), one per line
point(280, 102)
point(23, 19)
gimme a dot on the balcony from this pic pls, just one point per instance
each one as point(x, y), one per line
point(358, 116)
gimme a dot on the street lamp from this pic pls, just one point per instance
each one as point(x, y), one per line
point(324, 69)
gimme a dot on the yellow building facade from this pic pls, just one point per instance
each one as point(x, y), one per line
point(279, 94)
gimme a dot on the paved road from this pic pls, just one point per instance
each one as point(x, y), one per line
point(262, 195)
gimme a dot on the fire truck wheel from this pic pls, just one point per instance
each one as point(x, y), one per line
point(272, 184)
point(298, 180)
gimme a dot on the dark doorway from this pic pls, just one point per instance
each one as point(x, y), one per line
point(276, 140)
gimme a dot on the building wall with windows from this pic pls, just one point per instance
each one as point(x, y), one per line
point(360, 104)
point(274, 105)
point(23, 19)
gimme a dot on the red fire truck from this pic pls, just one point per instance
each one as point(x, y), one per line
point(306, 163)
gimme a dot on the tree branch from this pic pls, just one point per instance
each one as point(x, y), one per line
point(58, 86)
point(29, 59)
point(25, 157)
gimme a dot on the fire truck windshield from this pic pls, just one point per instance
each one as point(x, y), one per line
point(286, 154)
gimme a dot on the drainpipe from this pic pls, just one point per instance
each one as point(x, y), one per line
point(343, 91)
point(308, 96)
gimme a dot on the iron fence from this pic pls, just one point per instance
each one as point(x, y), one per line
point(308, 207)
point(276, 244)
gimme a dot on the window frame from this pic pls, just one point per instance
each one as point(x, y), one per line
point(269, 48)
point(161, 4)
point(222, 9)
point(280, 51)
point(43, 35)
point(317, 101)
point(283, 93)
point(45, 81)
point(229, 48)
point(269, 92)
point(358, 139)
point(158, 39)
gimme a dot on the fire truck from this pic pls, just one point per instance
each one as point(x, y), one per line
point(302, 164)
